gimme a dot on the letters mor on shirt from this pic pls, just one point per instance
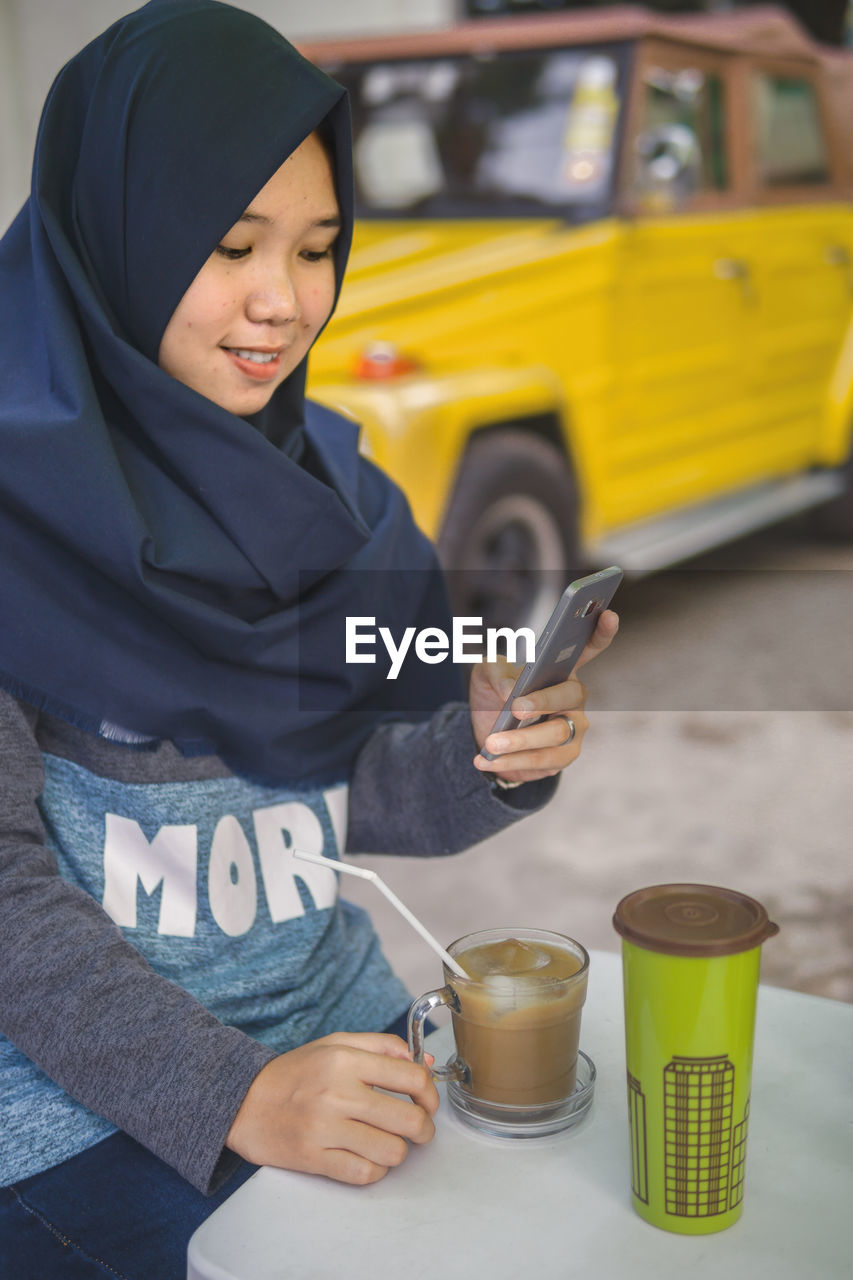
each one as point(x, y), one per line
point(171, 859)
point(111, 838)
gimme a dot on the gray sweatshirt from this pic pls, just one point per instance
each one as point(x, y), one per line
point(159, 944)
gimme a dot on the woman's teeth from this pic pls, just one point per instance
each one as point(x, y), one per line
point(257, 357)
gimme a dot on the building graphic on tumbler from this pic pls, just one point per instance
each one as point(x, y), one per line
point(639, 1149)
point(704, 1150)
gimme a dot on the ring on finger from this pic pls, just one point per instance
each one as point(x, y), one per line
point(571, 731)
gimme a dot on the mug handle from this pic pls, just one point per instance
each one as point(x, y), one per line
point(455, 1069)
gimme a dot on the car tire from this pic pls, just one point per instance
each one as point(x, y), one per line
point(509, 536)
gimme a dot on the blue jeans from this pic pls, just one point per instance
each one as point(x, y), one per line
point(112, 1211)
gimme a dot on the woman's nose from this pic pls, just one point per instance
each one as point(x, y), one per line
point(275, 302)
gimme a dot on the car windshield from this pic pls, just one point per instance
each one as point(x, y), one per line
point(498, 135)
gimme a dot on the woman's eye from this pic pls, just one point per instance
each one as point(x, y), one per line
point(233, 255)
point(316, 255)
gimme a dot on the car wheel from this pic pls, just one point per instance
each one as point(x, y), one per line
point(509, 537)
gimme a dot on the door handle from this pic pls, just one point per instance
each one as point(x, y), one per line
point(836, 255)
point(736, 269)
point(731, 269)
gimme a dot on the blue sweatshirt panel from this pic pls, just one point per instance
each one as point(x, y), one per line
point(200, 876)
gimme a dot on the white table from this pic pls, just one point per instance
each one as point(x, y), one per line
point(559, 1207)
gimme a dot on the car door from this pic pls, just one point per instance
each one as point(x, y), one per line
point(799, 246)
point(683, 308)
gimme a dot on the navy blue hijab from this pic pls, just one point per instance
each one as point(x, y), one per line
point(167, 566)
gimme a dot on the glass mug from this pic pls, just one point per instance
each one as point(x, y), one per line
point(516, 1017)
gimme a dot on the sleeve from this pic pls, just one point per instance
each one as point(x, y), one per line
point(415, 791)
point(84, 1005)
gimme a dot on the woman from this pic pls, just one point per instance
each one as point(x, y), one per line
point(184, 536)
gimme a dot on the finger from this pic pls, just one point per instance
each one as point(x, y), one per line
point(601, 638)
point(345, 1166)
point(503, 673)
point(371, 1042)
point(495, 678)
point(540, 759)
point(384, 1062)
point(526, 766)
point(550, 733)
point(397, 1075)
point(557, 699)
point(374, 1145)
point(393, 1115)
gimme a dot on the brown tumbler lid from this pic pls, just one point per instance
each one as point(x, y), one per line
point(692, 920)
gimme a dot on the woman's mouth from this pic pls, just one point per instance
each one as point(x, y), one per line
point(255, 362)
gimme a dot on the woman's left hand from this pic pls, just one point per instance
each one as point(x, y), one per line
point(539, 750)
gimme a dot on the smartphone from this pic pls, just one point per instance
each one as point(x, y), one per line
point(562, 640)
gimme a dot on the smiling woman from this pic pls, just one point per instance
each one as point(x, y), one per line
point(256, 306)
point(183, 534)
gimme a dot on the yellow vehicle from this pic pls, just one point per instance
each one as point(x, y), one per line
point(599, 301)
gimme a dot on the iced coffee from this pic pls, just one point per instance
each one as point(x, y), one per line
point(518, 1022)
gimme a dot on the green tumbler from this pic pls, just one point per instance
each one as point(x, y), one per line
point(690, 958)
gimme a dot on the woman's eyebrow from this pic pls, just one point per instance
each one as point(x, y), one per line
point(333, 221)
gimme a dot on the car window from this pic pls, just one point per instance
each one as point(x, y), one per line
point(505, 134)
point(679, 151)
point(790, 147)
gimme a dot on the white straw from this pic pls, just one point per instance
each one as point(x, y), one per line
point(349, 869)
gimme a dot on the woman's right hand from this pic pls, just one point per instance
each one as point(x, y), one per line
point(319, 1108)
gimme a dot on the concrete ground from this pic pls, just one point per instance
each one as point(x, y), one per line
point(734, 785)
point(710, 798)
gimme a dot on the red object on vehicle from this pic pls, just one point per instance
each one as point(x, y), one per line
point(383, 360)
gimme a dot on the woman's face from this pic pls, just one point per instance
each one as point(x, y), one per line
point(263, 295)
